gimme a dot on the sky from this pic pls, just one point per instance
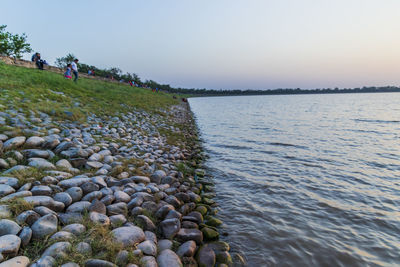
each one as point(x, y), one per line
point(221, 44)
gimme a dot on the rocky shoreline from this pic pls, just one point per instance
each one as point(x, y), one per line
point(124, 190)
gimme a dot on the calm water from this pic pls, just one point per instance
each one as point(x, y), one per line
point(308, 180)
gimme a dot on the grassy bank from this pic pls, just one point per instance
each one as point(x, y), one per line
point(32, 89)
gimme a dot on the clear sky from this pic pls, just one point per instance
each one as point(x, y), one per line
point(228, 44)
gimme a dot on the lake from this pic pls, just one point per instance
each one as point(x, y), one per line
point(306, 180)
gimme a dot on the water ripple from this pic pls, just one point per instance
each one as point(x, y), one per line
point(306, 180)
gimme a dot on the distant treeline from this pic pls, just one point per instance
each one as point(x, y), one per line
point(298, 91)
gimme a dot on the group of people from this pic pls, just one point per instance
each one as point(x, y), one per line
point(72, 68)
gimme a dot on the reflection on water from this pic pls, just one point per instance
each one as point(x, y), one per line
point(307, 180)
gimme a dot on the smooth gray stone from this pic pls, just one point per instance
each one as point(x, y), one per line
point(157, 176)
point(75, 192)
point(62, 236)
point(5, 190)
point(16, 195)
point(148, 261)
point(63, 163)
point(99, 218)
point(99, 263)
point(11, 181)
point(44, 211)
point(45, 226)
point(75, 228)
point(170, 227)
point(146, 222)
point(73, 182)
point(59, 249)
point(168, 258)
point(128, 236)
point(164, 244)
point(14, 143)
point(20, 261)
point(8, 227)
point(148, 247)
point(187, 249)
point(190, 234)
point(9, 245)
point(41, 190)
point(46, 261)
point(79, 207)
point(34, 141)
point(28, 216)
point(40, 163)
point(25, 235)
point(64, 198)
point(68, 218)
point(36, 153)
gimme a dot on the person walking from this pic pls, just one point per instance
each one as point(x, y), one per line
point(74, 66)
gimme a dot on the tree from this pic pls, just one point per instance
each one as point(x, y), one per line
point(13, 44)
point(62, 62)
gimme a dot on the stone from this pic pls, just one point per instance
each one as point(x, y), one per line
point(17, 168)
point(117, 220)
point(121, 196)
point(128, 236)
point(64, 198)
point(157, 176)
point(92, 196)
point(9, 245)
point(170, 228)
point(75, 228)
point(118, 208)
point(187, 249)
point(94, 165)
point(5, 189)
point(50, 142)
point(78, 162)
point(163, 211)
point(190, 234)
point(148, 261)
point(41, 190)
point(62, 236)
point(16, 195)
point(29, 217)
point(4, 164)
point(99, 263)
point(209, 234)
point(146, 223)
point(34, 141)
point(70, 264)
point(140, 179)
point(122, 258)
point(168, 258)
point(45, 201)
point(173, 214)
point(99, 218)
point(206, 256)
point(25, 235)
point(40, 163)
point(148, 248)
point(79, 207)
point(76, 193)
point(20, 261)
point(98, 207)
point(89, 187)
point(45, 226)
point(151, 236)
point(46, 261)
point(68, 218)
point(57, 250)
point(73, 182)
point(8, 227)
point(36, 153)
point(84, 248)
point(14, 143)
point(164, 244)
point(11, 181)
point(212, 221)
point(63, 163)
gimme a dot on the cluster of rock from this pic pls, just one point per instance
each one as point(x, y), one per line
point(117, 172)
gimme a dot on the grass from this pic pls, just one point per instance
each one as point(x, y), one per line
point(17, 206)
point(32, 89)
point(28, 175)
